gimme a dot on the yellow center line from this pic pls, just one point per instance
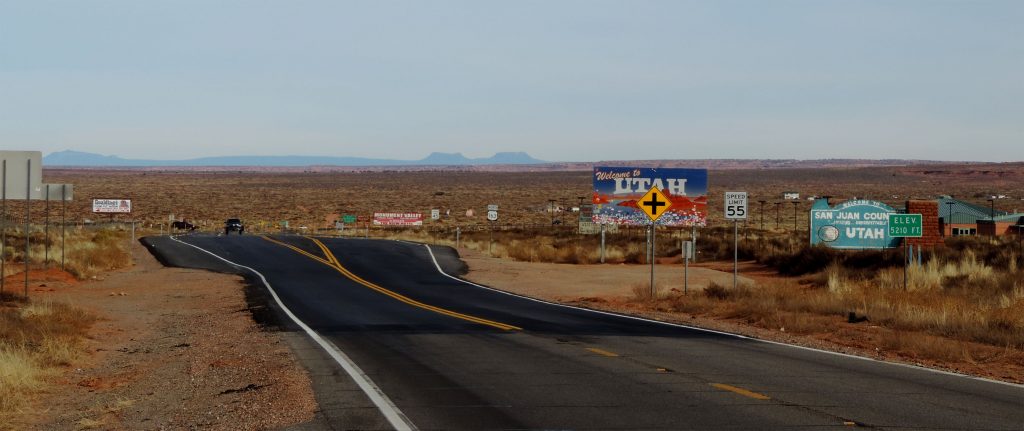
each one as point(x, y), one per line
point(332, 262)
point(603, 352)
point(741, 391)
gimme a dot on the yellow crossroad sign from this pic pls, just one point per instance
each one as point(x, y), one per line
point(654, 204)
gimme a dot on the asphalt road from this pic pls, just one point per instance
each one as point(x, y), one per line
point(439, 353)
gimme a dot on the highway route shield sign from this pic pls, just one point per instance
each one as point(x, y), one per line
point(654, 203)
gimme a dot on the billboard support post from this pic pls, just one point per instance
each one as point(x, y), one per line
point(602, 242)
point(63, 221)
point(46, 231)
point(28, 215)
point(3, 227)
point(693, 237)
point(687, 254)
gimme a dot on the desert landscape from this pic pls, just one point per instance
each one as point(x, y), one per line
point(962, 310)
point(315, 199)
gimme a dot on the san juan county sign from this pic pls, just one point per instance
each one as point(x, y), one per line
point(856, 224)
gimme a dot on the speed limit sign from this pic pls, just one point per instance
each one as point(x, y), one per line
point(736, 205)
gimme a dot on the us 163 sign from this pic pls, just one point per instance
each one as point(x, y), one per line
point(736, 205)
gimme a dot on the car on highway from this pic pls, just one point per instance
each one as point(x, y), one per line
point(233, 224)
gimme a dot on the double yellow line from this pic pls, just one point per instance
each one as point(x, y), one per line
point(330, 260)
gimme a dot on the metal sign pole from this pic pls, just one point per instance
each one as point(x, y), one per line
point(602, 242)
point(905, 254)
point(46, 231)
point(686, 267)
point(28, 206)
point(653, 294)
point(693, 237)
point(735, 252)
point(647, 244)
point(3, 228)
point(63, 221)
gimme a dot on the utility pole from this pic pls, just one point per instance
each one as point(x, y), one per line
point(795, 205)
point(992, 216)
point(565, 205)
point(579, 217)
point(950, 221)
point(762, 213)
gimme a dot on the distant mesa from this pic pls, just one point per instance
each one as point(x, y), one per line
point(83, 159)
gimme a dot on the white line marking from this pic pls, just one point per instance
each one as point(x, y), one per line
point(390, 411)
point(678, 325)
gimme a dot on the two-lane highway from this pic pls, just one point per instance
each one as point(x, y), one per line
point(440, 353)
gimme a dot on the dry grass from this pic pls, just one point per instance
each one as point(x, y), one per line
point(642, 292)
point(963, 300)
point(89, 424)
point(88, 251)
point(546, 245)
point(971, 292)
point(35, 338)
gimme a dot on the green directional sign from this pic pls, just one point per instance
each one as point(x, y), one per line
point(905, 225)
point(348, 219)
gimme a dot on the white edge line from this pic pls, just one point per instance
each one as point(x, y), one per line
point(390, 411)
point(730, 334)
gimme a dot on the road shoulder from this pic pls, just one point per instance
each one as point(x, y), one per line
point(174, 348)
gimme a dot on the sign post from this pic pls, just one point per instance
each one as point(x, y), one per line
point(492, 216)
point(906, 226)
point(3, 225)
point(687, 255)
point(735, 210)
point(654, 204)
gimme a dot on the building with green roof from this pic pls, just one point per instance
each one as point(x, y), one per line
point(964, 218)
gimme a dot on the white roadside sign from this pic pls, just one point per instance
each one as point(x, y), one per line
point(736, 205)
point(111, 206)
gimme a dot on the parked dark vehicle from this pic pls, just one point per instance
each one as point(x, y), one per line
point(233, 224)
point(183, 225)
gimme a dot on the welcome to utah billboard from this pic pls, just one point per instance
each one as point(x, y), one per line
point(617, 190)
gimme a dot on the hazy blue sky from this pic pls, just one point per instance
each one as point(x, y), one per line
point(563, 80)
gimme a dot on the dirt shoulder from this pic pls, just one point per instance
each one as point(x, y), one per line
point(608, 287)
point(566, 282)
point(173, 349)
